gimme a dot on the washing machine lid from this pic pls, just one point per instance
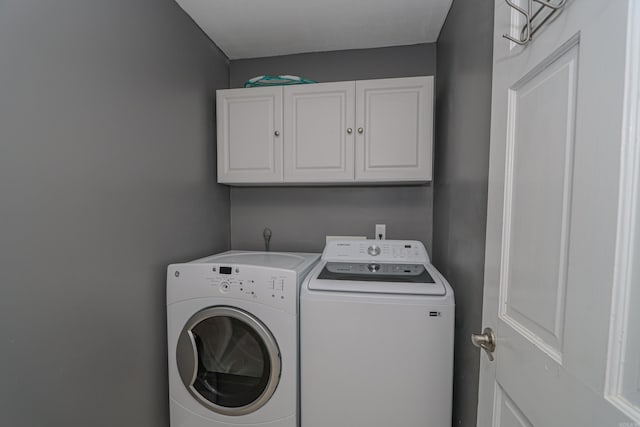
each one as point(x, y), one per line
point(371, 277)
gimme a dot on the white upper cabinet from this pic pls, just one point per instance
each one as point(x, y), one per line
point(319, 136)
point(249, 125)
point(394, 119)
point(342, 133)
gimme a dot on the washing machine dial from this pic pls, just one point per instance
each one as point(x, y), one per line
point(373, 250)
point(373, 267)
point(225, 287)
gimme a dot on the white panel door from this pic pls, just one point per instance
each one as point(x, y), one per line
point(560, 266)
point(249, 124)
point(394, 129)
point(319, 134)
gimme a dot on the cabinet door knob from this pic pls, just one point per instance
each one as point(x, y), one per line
point(277, 133)
point(360, 130)
point(349, 131)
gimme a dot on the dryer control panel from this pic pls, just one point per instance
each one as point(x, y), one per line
point(249, 282)
point(399, 251)
point(270, 286)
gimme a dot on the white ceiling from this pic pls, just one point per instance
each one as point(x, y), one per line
point(256, 28)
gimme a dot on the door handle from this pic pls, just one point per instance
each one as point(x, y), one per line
point(486, 341)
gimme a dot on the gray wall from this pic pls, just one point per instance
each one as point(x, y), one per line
point(301, 217)
point(356, 64)
point(463, 105)
point(107, 174)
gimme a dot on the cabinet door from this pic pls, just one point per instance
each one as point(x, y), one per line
point(319, 134)
point(394, 121)
point(249, 135)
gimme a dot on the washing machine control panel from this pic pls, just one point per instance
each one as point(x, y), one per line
point(405, 251)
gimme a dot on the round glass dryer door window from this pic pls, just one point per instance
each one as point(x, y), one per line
point(228, 360)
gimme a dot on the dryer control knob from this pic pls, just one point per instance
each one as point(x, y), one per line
point(224, 287)
point(373, 250)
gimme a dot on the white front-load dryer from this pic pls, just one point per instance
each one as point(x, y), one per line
point(232, 330)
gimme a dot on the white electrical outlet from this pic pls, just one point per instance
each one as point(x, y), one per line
point(381, 231)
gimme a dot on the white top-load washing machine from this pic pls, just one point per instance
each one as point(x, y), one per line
point(233, 339)
point(376, 337)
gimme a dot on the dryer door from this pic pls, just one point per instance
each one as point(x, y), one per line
point(228, 360)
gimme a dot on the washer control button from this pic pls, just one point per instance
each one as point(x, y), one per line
point(374, 267)
point(373, 250)
point(225, 287)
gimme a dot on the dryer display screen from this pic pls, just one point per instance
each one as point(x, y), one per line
point(225, 270)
